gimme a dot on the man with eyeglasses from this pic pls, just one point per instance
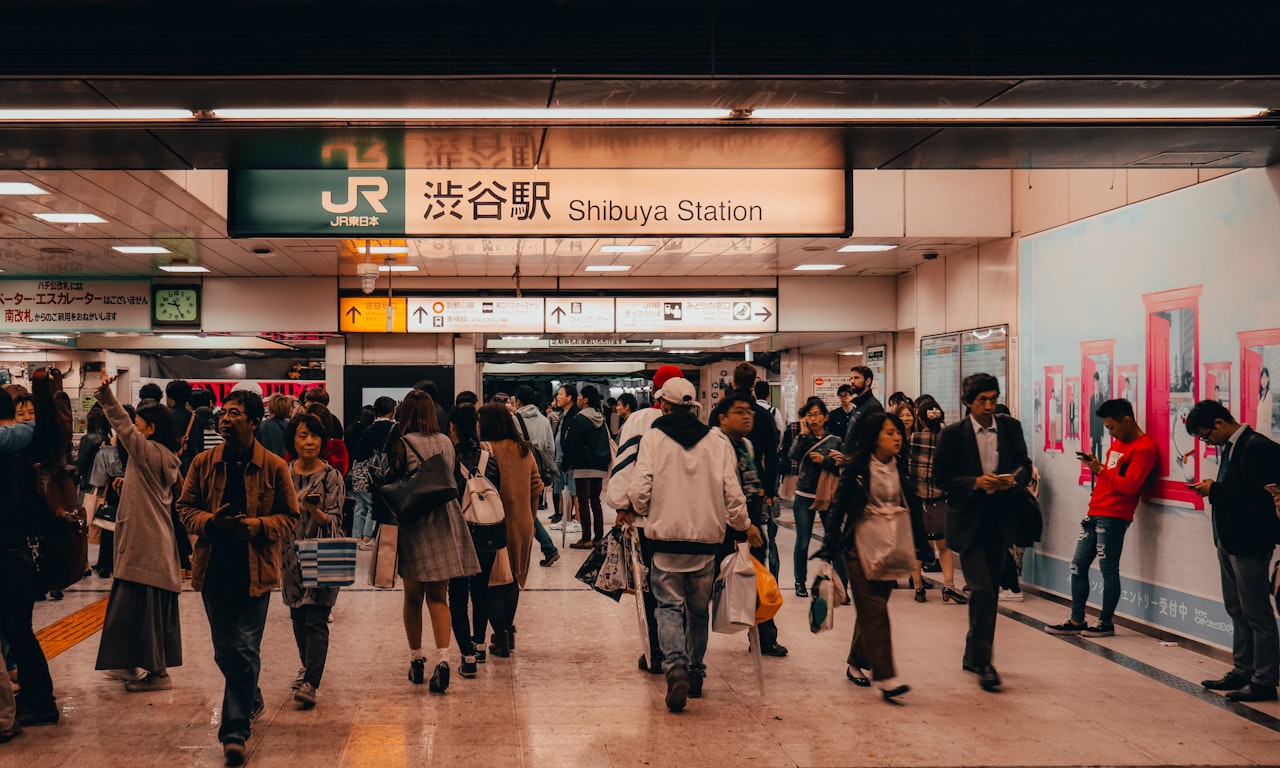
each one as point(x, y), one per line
point(239, 500)
point(1245, 531)
point(980, 461)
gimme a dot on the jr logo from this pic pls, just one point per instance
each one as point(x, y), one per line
point(354, 183)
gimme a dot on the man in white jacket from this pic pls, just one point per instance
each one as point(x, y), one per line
point(686, 486)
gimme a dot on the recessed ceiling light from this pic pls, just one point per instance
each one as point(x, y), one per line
point(817, 267)
point(179, 336)
point(50, 337)
point(607, 268)
point(70, 218)
point(140, 249)
point(20, 188)
point(864, 248)
point(398, 268)
point(384, 249)
point(626, 248)
point(513, 351)
point(183, 266)
point(739, 337)
point(685, 351)
point(522, 338)
point(848, 353)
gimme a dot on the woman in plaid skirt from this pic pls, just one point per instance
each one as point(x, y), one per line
point(433, 547)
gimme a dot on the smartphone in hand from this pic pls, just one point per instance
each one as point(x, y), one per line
point(312, 498)
point(1273, 489)
point(1081, 455)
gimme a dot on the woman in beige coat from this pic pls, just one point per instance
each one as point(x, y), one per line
point(520, 485)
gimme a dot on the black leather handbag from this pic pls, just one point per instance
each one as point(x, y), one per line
point(409, 497)
point(1030, 520)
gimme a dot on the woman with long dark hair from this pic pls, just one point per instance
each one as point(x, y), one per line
point(521, 486)
point(812, 451)
point(470, 625)
point(929, 419)
point(434, 547)
point(586, 450)
point(874, 481)
point(141, 629)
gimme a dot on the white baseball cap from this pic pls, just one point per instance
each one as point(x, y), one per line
point(679, 392)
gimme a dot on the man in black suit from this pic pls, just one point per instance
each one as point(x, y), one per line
point(982, 463)
point(1245, 530)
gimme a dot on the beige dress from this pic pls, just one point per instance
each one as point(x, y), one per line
point(520, 486)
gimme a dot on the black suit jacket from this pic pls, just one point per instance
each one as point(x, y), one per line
point(957, 464)
point(1244, 514)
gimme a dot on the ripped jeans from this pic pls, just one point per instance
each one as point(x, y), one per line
point(1101, 537)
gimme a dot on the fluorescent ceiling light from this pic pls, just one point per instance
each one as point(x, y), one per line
point(183, 266)
point(817, 267)
point(70, 218)
point(178, 336)
point(20, 188)
point(79, 115)
point(384, 249)
point(50, 337)
point(982, 114)
point(864, 248)
point(398, 268)
point(848, 353)
point(685, 351)
point(739, 337)
point(140, 249)
point(626, 248)
point(522, 338)
point(607, 268)
point(467, 113)
point(513, 351)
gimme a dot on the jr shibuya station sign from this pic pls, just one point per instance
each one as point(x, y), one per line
point(538, 203)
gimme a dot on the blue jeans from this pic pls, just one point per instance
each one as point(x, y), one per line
point(235, 626)
point(684, 618)
point(804, 535)
point(363, 525)
point(544, 539)
point(1102, 537)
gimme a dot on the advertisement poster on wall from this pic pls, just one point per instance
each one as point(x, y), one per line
point(1188, 313)
point(877, 360)
point(825, 387)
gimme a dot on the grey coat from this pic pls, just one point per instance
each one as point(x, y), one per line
point(146, 550)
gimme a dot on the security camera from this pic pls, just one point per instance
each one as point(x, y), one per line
point(368, 277)
point(930, 256)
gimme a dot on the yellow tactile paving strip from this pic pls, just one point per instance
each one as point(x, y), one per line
point(73, 628)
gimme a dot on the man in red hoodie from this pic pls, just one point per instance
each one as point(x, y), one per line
point(1117, 486)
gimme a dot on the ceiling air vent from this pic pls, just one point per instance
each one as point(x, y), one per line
point(1185, 159)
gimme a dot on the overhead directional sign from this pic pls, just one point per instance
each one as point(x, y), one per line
point(579, 315)
point(677, 314)
point(476, 315)
point(368, 314)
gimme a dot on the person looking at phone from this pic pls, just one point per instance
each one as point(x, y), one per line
point(1245, 532)
point(1117, 486)
point(239, 500)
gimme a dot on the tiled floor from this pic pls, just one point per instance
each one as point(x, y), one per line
point(571, 695)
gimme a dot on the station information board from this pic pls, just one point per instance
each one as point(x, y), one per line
point(48, 305)
point(368, 314)
point(682, 314)
point(579, 315)
point(476, 315)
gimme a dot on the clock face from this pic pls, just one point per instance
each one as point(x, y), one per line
point(176, 305)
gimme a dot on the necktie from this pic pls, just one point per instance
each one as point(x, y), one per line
point(1223, 461)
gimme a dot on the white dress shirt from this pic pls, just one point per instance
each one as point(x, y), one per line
point(988, 449)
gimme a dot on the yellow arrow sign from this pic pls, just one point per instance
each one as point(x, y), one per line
point(368, 314)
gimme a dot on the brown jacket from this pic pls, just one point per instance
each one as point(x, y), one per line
point(269, 496)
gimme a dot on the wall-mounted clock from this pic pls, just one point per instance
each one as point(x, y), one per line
point(175, 305)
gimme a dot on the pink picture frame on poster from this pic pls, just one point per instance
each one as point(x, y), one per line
point(1053, 408)
point(1172, 387)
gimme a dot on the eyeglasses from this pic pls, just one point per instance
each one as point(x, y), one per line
point(232, 413)
point(741, 411)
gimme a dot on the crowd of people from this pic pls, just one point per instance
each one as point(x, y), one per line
point(226, 509)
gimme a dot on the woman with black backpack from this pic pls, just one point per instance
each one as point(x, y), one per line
point(586, 450)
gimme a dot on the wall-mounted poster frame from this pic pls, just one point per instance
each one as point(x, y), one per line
point(1172, 382)
point(1097, 382)
point(877, 358)
point(1258, 350)
point(946, 359)
point(1055, 408)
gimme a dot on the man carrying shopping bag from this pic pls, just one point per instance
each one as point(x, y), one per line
point(686, 486)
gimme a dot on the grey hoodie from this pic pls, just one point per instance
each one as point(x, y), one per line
point(539, 427)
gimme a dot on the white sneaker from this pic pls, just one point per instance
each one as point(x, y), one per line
point(1009, 596)
point(574, 527)
point(556, 526)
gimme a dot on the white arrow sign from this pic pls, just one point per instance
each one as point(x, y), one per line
point(579, 315)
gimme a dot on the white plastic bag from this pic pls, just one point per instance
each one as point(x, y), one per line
point(826, 593)
point(733, 598)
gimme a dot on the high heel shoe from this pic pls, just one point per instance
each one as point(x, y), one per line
point(950, 595)
point(920, 598)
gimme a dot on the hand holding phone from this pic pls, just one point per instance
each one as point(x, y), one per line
point(1085, 457)
point(312, 498)
point(1273, 489)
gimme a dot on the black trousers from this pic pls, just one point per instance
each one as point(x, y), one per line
point(982, 563)
point(19, 585)
point(469, 625)
point(311, 632)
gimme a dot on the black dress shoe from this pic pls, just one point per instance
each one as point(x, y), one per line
point(967, 667)
point(773, 649)
point(801, 591)
point(988, 678)
point(1254, 692)
point(695, 685)
point(1228, 682)
point(859, 679)
point(43, 717)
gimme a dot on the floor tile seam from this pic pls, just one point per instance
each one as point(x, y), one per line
point(1152, 673)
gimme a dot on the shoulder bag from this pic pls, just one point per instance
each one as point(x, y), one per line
point(417, 494)
point(825, 493)
point(546, 464)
